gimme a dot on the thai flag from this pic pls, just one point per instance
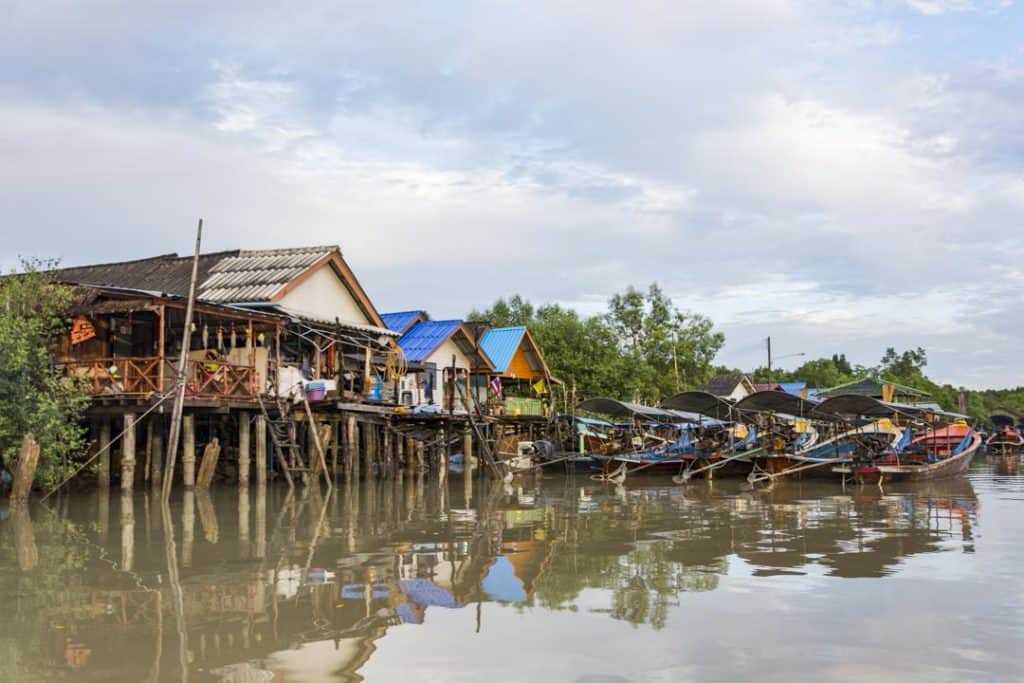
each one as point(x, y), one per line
point(495, 387)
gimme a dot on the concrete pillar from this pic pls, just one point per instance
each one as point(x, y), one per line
point(188, 456)
point(243, 449)
point(104, 447)
point(128, 454)
point(261, 450)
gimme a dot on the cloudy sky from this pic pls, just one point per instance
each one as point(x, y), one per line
point(842, 175)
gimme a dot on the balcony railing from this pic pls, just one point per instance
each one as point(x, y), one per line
point(142, 377)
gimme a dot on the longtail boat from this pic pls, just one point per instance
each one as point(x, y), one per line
point(1006, 439)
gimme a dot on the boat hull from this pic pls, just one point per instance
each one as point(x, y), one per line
point(945, 468)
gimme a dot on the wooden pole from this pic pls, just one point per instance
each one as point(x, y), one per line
point(147, 467)
point(208, 467)
point(25, 472)
point(179, 399)
point(351, 448)
point(104, 445)
point(243, 448)
point(261, 449)
point(157, 474)
point(188, 456)
point(127, 529)
point(128, 454)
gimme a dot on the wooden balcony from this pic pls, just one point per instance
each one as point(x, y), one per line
point(146, 376)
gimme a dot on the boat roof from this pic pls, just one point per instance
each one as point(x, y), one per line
point(859, 404)
point(1002, 420)
point(774, 401)
point(616, 408)
point(702, 403)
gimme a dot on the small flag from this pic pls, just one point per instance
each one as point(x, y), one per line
point(495, 386)
point(540, 387)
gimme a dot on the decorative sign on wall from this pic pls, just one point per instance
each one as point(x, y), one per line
point(82, 330)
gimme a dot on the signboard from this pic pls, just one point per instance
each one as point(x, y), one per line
point(82, 330)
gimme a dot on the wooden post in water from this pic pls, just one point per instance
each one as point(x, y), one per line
point(128, 454)
point(188, 455)
point(208, 466)
point(243, 448)
point(103, 474)
point(335, 442)
point(410, 455)
point(25, 472)
point(127, 529)
point(367, 430)
point(147, 466)
point(24, 537)
point(157, 473)
point(352, 457)
point(188, 527)
point(261, 449)
point(261, 522)
point(243, 519)
point(386, 449)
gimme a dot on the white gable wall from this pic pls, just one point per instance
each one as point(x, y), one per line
point(442, 357)
point(323, 295)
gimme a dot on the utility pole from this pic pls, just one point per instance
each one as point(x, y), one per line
point(768, 343)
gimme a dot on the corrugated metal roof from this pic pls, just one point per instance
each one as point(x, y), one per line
point(424, 337)
point(500, 344)
point(252, 276)
point(400, 321)
point(168, 274)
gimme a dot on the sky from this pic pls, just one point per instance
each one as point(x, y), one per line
point(843, 176)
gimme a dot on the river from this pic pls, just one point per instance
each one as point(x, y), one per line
point(559, 579)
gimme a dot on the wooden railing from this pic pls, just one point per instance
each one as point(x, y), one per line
point(142, 377)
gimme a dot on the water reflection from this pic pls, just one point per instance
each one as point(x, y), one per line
point(305, 585)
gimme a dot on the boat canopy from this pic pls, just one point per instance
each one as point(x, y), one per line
point(776, 402)
point(615, 408)
point(702, 403)
point(1002, 420)
point(858, 404)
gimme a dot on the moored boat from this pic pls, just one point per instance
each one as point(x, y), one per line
point(1006, 439)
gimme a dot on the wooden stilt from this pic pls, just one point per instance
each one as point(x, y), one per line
point(127, 529)
point(157, 473)
point(261, 449)
point(243, 448)
point(188, 456)
point(128, 454)
point(103, 474)
point(147, 468)
point(25, 472)
point(208, 467)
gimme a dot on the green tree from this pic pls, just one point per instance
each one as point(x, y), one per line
point(34, 396)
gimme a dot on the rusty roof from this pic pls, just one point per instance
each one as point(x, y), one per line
point(236, 276)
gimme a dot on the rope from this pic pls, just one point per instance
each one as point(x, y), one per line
point(103, 450)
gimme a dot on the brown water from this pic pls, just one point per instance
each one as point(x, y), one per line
point(558, 580)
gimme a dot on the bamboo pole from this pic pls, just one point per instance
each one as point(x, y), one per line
point(188, 456)
point(179, 399)
point(103, 475)
point(261, 450)
point(128, 454)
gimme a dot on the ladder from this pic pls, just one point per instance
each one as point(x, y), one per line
point(284, 435)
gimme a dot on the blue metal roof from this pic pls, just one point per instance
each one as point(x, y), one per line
point(424, 337)
point(500, 345)
point(793, 387)
point(399, 321)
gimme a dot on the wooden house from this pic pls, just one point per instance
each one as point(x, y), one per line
point(287, 315)
point(521, 378)
point(442, 357)
point(733, 387)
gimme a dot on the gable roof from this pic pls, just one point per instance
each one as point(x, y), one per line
point(724, 385)
point(794, 388)
point(424, 338)
point(236, 276)
point(501, 343)
point(872, 386)
point(401, 321)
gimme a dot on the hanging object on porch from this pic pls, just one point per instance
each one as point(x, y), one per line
point(82, 330)
point(262, 339)
point(234, 337)
point(206, 336)
point(220, 338)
